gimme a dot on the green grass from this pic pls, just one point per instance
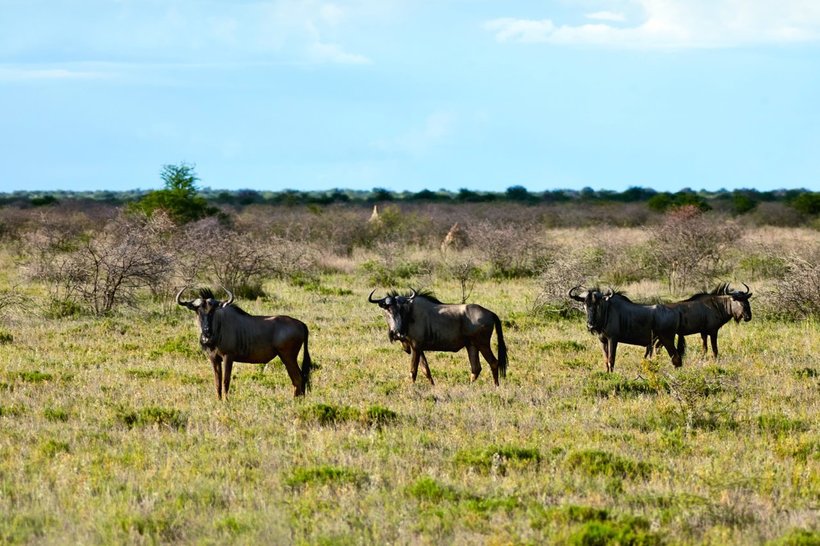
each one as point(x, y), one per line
point(112, 434)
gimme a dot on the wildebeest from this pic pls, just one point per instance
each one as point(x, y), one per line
point(228, 334)
point(615, 319)
point(423, 323)
point(705, 313)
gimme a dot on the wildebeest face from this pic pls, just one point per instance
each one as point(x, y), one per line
point(205, 307)
point(595, 304)
point(741, 309)
point(399, 312)
point(205, 317)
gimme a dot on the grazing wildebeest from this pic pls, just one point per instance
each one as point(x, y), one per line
point(705, 313)
point(422, 323)
point(228, 334)
point(615, 319)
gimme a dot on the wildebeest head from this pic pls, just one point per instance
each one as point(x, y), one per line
point(398, 310)
point(205, 307)
point(740, 307)
point(596, 305)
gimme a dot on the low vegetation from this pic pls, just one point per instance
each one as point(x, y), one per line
point(112, 433)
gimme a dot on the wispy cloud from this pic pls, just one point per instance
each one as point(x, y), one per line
point(333, 53)
point(39, 73)
point(677, 24)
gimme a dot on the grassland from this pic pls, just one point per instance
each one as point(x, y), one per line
point(110, 432)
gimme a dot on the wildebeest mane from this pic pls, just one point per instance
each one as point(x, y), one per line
point(719, 291)
point(614, 292)
point(426, 294)
point(206, 294)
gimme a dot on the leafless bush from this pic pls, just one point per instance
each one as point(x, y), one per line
point(462, 267)
point(511, 251)
point(797, 294)
point(238, 260)
point(688, 248)
point(99, 270)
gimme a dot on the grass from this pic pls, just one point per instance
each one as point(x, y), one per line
point(112, 433)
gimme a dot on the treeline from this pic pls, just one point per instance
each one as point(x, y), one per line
point(736, 202)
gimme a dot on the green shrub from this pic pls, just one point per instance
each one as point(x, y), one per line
point(780, 424)
point(152, 415)
point(595, 462)
point(603, 385)
point(628, 532)
point(498, 458)
point(64, 308)
point(5, 337)
point(797, 537)
point(428, 489)
point(51, 447)
point(325, 475)
point(325, 414)
point(34, 377)
point(161, 373)
point(56, 415)
point(379, 416)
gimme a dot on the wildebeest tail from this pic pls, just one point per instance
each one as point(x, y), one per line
point(502, 348)
point(306, 363)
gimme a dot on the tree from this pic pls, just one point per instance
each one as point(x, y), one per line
point(179, 199)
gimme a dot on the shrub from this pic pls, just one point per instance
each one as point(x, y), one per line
point(688, 248)
point(595, 462)
point(179, 199)
point(325, 475)
point(797, 537)
point(428, 489)
point(796, 295)
point(152, 415)
point(498, 458)
point(325, 414)
point(628, 532)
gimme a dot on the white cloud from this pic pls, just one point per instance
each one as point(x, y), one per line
point(606, 16)
point(678, 24)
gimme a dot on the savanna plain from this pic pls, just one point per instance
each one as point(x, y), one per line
point(110, 430)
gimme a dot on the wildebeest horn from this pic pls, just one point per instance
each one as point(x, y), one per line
point(412, 296)
point(230, 297)
point(187, 304)
point(371, 300)
point(572, 295)
point(609, 292)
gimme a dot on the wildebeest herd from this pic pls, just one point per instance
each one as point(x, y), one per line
point(420, 322)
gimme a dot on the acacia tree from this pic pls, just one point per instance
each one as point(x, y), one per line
point(179, 199)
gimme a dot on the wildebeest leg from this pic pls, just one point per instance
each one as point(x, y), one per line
point(226, 378)
point(714, 344)
point(475, 363)
point(292, 366)
point(415, 356)
point(217, 364)
point(605, 349)
point(669, 345)
point(488, 355)
point(612, 349)
point(425, 367)
point(703, 338)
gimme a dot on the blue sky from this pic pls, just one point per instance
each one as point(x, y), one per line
point(410, 94)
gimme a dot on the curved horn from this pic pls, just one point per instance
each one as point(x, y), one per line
point(413, 296)
point(178, 300)
point(609, 292)
point(748, 290)
point(371, 300)
point(572, 295)
point(230, 297)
